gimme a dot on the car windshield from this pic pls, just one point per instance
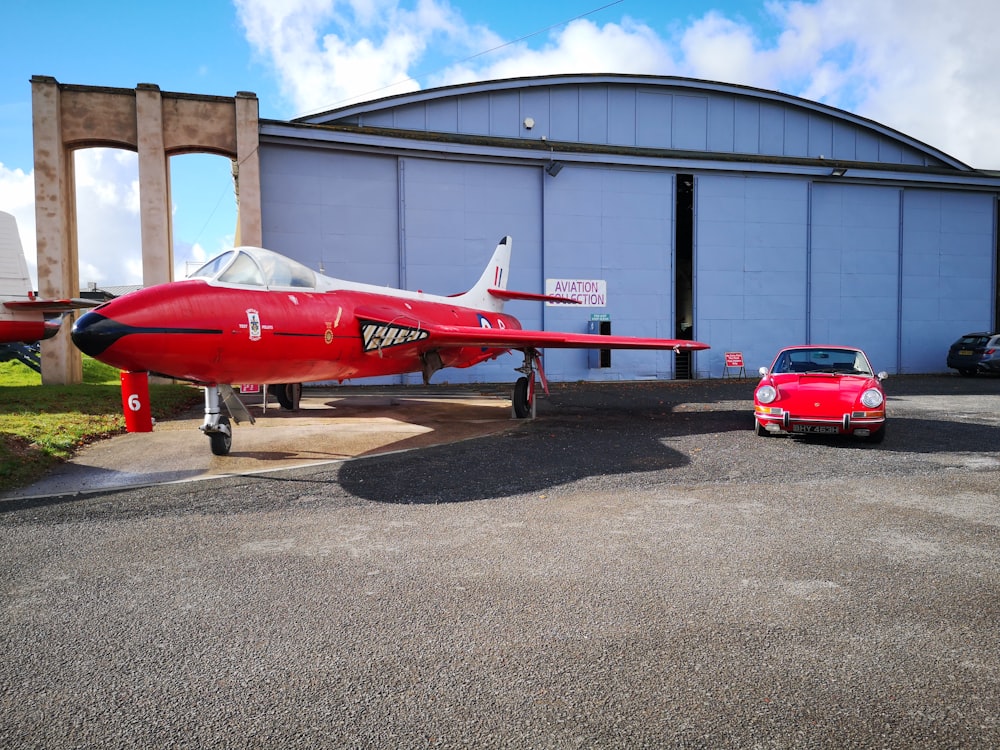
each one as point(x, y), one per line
point(833, 361)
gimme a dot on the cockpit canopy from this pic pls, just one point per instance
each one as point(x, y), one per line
point(256, 267)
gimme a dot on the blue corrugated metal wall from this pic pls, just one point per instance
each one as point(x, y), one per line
point(778, 261)
point(751, 235)
point(782, 262)
point(677, 114)
point(854, 270)
point(948, 276)
point(614, 225)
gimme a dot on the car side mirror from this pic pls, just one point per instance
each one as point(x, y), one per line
point(883, 375)
point(763, 372)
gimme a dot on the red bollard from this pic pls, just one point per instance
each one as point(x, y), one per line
point(135, 401)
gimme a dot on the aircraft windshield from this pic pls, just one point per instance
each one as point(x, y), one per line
point(243, 271)
point(257, 267)
point(213, 266)
point(838, 361)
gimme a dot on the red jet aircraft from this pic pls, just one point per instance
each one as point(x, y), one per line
point(24, 318)
point(253, 316)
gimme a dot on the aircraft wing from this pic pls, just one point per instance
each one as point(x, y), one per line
point(507, 338)
point(50, 305)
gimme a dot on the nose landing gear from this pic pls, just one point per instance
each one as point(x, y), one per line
point(216, 424)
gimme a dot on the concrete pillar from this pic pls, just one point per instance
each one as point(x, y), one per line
point(55, 226)
point(154, 188)
point(246, 170)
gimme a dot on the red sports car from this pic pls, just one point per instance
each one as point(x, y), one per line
point(820, 390)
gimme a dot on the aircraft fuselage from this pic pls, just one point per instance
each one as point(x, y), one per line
point(195, 331)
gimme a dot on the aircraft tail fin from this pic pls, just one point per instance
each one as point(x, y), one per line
point(14, 279)
point(494, 278)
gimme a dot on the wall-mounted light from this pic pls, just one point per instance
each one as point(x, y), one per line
point(554, 167)
point(838, 172)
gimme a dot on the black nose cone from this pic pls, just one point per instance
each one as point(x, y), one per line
point(93, 333)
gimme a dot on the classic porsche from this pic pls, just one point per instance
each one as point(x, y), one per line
point(820, 390)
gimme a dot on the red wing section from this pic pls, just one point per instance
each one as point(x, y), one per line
point(50, 305)
point(506, 338)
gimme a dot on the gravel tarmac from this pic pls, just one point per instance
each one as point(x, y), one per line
point(633, 569)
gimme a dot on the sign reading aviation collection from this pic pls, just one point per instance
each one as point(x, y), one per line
point(588, 292)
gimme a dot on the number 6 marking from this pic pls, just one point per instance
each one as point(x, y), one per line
point(134, 402)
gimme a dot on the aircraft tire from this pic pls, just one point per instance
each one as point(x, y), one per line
point(520, 399)
point(282, 392)
point(221, 442)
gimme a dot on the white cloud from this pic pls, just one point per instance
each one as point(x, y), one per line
point(108, 233)
point(920, 66)
point(370, 54)
point(582, 47)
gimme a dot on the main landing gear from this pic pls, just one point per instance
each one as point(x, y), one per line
point(216, 424)
point(523, 398)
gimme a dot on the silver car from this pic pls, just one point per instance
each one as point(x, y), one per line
point(990, 361)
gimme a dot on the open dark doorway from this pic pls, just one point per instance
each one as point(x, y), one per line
point(684, 273)
point(996, 283)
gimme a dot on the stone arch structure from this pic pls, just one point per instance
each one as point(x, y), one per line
point(156, 125)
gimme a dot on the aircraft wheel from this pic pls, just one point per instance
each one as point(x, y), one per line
point(522, 398)
point(284, 394)
point(221, 442)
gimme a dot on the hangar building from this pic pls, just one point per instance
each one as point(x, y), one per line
point(744, 218)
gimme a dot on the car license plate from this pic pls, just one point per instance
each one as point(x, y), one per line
point(965, 352)
point(822, 429)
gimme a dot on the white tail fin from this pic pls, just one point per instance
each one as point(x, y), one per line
point(494, 277)
point(14, 279)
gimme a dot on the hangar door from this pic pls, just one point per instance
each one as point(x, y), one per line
point(453, 213)
point(335, 212)
point(614, 226)
point(948, 273)
point(854, 270)
point(750, 259)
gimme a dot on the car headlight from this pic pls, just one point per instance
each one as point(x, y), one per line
point(872, 398)
point(766, 394)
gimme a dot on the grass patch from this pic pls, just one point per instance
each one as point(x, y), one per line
point(41, 426)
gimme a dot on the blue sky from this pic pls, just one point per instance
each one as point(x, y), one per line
point(926, 68)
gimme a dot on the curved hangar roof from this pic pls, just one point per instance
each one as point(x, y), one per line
point(718, 120)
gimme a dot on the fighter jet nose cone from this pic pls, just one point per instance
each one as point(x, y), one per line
point(93, 333)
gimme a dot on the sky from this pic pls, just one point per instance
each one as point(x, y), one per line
point(927, 68)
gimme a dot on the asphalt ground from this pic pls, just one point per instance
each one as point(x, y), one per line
point(329, 425)
point(635, 568)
